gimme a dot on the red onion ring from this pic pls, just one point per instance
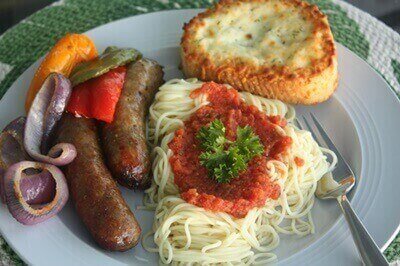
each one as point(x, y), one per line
point(45, 112)
point(19, 203)
point(39, 188)
point(11, 148)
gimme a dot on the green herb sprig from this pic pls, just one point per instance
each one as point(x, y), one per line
point(223, 158)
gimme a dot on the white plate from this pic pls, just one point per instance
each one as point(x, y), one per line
point(359, 117)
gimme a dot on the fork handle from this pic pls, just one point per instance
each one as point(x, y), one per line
point(367, 248)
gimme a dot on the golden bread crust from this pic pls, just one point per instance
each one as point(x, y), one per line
point(313, 82)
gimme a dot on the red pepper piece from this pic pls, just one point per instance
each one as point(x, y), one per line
point(97, 98)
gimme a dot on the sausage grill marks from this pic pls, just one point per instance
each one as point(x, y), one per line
point(124, 140)
point(94, 192)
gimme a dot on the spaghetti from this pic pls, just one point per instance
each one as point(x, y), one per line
point(187, 234)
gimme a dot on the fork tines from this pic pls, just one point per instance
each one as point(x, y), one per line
point(321, 137)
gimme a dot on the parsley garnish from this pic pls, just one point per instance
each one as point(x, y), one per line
point(223, 158)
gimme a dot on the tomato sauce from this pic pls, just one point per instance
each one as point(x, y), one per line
point(298, 161)
point(253, 186)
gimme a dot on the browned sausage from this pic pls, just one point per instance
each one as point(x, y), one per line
point(95, 194)
point(124, 139)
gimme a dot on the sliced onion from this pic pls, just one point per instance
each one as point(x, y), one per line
point(11, 148)
point(39, 188)
point(18, 184)
point(46, 111)
point(11, 143)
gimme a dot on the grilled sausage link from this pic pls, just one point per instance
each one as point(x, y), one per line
point(95, 194)
point(124, 139)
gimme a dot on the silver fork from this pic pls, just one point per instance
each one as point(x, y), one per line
point(344, 176)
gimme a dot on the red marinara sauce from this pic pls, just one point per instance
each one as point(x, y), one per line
point(253, 186)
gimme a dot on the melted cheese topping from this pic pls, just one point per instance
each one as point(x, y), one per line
point(268, 33)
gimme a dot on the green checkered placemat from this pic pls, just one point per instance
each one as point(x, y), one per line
point(32, 38)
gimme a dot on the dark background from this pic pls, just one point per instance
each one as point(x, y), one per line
point(13, 11)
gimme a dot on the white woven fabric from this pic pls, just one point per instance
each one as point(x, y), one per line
point(384, 42)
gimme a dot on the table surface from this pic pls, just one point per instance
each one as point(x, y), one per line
point(13, 11)
point(23, 44)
